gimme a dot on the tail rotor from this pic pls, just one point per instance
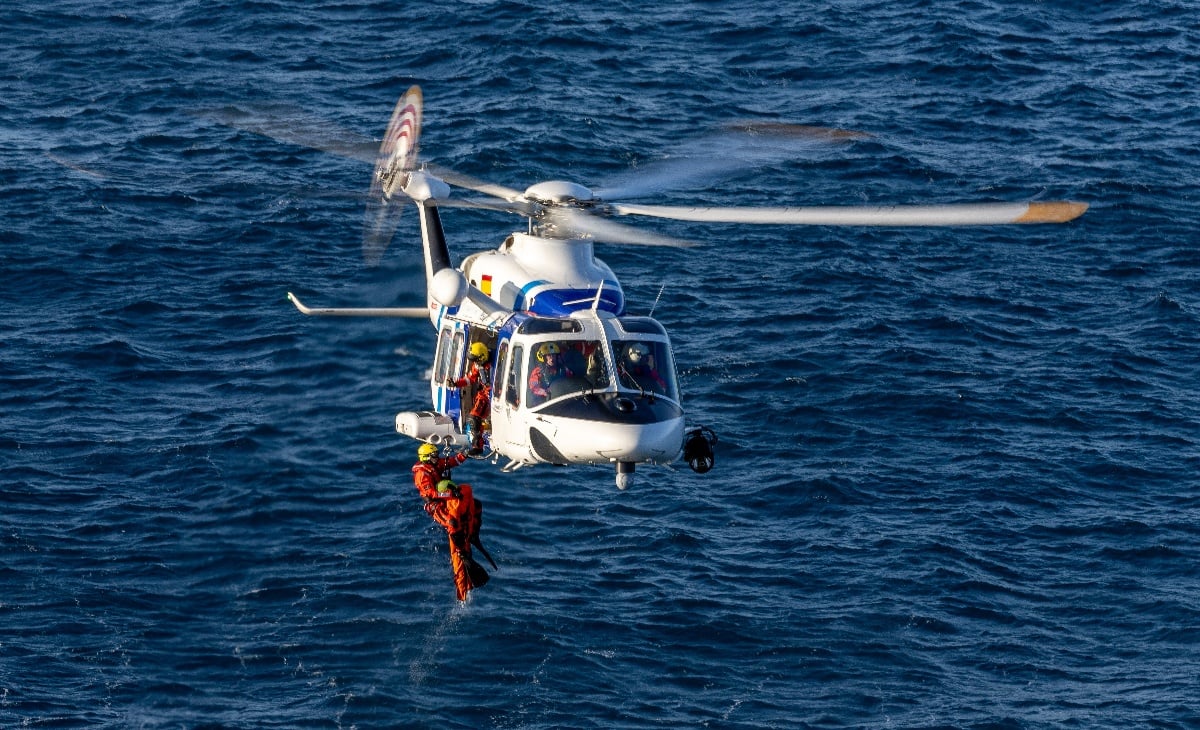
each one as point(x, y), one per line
point(397, 158)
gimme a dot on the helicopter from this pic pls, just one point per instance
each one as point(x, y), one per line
point(575, 378)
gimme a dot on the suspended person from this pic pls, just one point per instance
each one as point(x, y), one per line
point(456, 509)
point(549, 369)
point(479, 376)
point(430, 469)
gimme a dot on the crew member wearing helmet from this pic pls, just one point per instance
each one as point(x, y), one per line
point(456, 509)
point(430, 469)
point(639, 365)
point(549, 369)
point(479, 377)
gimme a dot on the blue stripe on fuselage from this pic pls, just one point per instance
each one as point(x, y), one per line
point(519, 302)
point(561, 302)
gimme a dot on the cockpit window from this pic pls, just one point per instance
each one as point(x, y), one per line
point(642, 326)
point(548, 326)
point(645, 365)
point(562, 367)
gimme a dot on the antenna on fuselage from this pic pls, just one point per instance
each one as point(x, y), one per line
point(655, 305)
point(596, 301)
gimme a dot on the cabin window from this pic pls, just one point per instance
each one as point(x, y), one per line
point(451, 346)
point(501, 374)
point(460, 353)
point(512, 387)
point(646, 365)
point(444, 343)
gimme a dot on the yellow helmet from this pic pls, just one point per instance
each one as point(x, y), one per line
point(445, 486)
point(427, 452)
point(548, 348)
point(479, 352)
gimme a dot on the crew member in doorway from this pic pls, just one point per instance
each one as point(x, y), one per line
point(431, 469)
point(480, 377)
point(456, 509)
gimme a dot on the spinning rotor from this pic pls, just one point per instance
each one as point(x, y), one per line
point(559, 209)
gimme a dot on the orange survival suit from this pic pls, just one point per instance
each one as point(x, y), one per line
point(456, 509)
point(481, 407)
point(427, 474)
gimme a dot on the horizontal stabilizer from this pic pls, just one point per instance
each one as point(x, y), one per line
point(358, 311)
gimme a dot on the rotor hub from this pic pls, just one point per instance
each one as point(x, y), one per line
point(559, 191)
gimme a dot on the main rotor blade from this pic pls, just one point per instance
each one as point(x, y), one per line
point(740, 148)
point(296, 126)
point(570, 222)
point(458, 179)
point(519, 207)
point(964, 214)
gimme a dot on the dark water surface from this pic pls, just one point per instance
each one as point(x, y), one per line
point(957, 478)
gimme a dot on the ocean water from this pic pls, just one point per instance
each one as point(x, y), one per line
point(956, 485)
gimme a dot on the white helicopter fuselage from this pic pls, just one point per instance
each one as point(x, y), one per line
point(563, 387)
point(525, 266)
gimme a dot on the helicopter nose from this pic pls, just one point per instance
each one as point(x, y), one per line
point(614, 428)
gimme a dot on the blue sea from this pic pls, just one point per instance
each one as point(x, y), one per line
point(957, 479)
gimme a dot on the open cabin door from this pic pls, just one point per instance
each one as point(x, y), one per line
point(506, 398)
point(452, 364)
